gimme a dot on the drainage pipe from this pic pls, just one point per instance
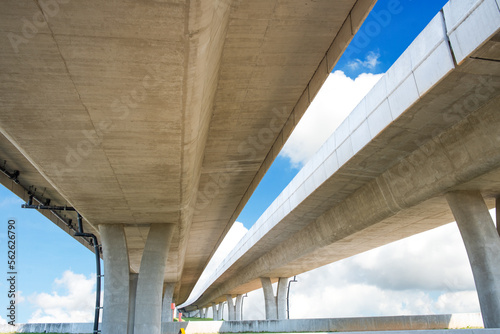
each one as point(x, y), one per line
point(13, 176)
point(80, 233)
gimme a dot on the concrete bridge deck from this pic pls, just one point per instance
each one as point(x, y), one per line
point(431, 125)
point(143, 113)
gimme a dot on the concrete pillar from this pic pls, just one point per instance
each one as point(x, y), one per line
point(116, 279)
point(269, 299)
point(214, 311)
point(131, 302)
point(203, 313)
point(167, 314)
point(281, 298)
point(275, 306)
point(497, 211)
point(483, 248)
point(220, 311)
point(237, 307)
point(230, 308)
point(150, 284)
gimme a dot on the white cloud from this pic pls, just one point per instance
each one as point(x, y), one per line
point(428, 273)
point(461, 302)
point(3, 321)
point(335, 100)
point(233, 236)
point(76, 304)
point(371, 61)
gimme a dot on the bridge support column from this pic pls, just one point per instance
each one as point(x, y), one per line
point(230, 308)
point(275, 306)
point(497, 211)
point(167, 314)
point(131, 304)
point(220, 311)
point(281, 298)
point(214, 311)
point(116, 282)
point(482, 242)
point(150, 284)
point(237, 307)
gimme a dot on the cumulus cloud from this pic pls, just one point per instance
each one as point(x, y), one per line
point(73, 300)
point(428, 273)
point(3, 321)
point(335, 100)
point(371, 61)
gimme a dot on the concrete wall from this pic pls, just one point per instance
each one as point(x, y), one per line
point(425, 322)
point(74, 328)
point(331, 325)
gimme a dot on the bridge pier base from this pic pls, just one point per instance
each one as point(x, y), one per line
point(116, 283)
point(133, 277)
point(275, 306)
point(497, 212)
point(482, 242)
point(150, 284)
point(167, 314)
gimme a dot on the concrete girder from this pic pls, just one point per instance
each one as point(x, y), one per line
point(482, 243)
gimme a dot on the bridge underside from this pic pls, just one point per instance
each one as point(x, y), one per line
point(429, 127)
point(159, 112)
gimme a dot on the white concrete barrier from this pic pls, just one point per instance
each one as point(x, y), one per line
point(401, 323)
point(362, 325)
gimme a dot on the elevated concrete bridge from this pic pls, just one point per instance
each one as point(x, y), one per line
point(156, 120)
point(425, 138)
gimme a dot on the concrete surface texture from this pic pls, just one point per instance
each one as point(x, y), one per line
point(373, 325)
point(429, 126)
point(167, 313)
point(131, 302)
point(148, 306)
point(482, 243)
point(160, 112)
point(116, 287)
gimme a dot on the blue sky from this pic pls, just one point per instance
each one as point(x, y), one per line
point(399, 23)
point(46, 254)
